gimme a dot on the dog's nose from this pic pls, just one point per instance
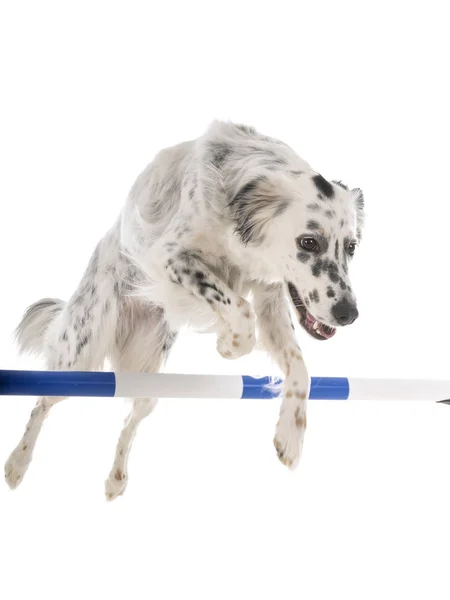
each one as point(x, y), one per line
point(345, 312)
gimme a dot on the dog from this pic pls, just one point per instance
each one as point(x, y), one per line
point(221, 233)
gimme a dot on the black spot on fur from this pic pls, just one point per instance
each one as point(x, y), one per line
point(219, 154)
point(189, 256)
point(317, 267)
point(314, 207)
point(313, 225)
point(330, 292)
point(333, 272)
point(296, 173)
point(342, 223)
point(336, 250)
point(314, 296)
point(303, 256)
point(326, 266)
point(64, 336)
point(212, 286)
point(191, 193)
point(323, 244)
point(199, 275)
point(84, 341)
point(324, 186)
point(330, 214)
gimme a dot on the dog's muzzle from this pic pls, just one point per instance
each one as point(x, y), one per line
point(315, 328)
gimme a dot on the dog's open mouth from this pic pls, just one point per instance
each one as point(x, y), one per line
point(315, 328)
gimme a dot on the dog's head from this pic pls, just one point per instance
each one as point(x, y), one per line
point(302, 229)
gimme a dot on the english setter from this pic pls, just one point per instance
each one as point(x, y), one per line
point(220, 233)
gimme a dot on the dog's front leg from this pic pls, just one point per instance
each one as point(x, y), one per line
point(235, 316)
point(277, 336)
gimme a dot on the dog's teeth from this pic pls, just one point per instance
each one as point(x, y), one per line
point(316, 325)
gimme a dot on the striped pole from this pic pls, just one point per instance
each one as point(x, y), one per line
point(168, 385)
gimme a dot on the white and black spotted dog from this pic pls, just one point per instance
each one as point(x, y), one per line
point(209, 223)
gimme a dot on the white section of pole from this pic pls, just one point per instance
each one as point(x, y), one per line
point(399, 389)
point(163, 385)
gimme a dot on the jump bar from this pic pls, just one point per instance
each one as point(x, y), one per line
point(168, 385)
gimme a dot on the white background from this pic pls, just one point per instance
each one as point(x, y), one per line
point(89, 93)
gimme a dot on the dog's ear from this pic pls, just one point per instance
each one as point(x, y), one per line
point(358, 198)
point(254, 205)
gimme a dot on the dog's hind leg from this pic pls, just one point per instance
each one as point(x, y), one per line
point(20, 458)
point(75, 336)
point(144, 347)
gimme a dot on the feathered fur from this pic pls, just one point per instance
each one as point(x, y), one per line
point(208, 222)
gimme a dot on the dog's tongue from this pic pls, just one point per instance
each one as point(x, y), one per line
point(318, 329)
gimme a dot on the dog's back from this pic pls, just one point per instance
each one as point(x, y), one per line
point(155, 197)
point(153, 201)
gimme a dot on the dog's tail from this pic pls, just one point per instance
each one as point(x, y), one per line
point(35, 322)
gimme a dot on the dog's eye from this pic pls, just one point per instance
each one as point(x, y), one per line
point(351, 248)
point(308, 243)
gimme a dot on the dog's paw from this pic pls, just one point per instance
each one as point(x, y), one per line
point(116, 484)
point(289, 436)
point(234, 345)
point(16, 466)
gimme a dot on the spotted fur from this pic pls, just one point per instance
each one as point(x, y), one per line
point(205, 224)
